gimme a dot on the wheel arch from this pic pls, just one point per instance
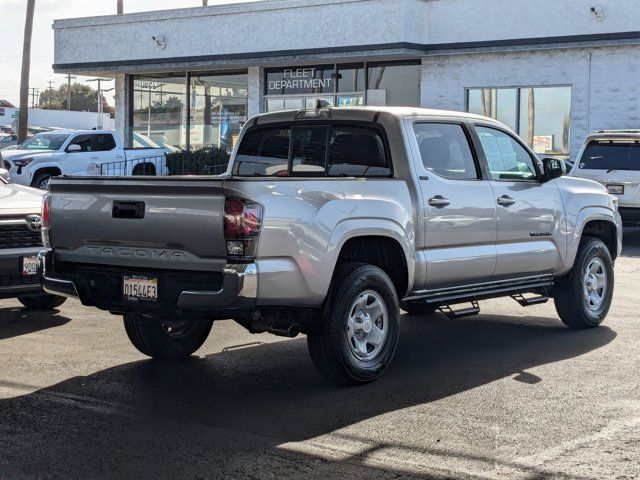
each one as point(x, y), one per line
point(50, 169)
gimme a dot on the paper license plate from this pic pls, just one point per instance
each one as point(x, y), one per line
point(139, 288)
point(616, 189)
point(29, 266)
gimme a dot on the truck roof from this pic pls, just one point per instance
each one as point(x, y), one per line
point(66, 131)
point(365, 113)
point(630, 134)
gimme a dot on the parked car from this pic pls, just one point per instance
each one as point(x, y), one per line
point(20, 243)
point(78, 152)
point(612, 157)
point(326, 222)
point(8, 141)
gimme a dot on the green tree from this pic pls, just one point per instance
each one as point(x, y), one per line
point(83, 99)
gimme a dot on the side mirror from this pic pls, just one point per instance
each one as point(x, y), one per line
point(74, 148)
point(553, 168)
point(4, 174)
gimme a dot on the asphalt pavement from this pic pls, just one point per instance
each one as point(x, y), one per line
point(511, 393)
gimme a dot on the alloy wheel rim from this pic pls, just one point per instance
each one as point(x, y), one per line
point(594, 284)
point(367, 326)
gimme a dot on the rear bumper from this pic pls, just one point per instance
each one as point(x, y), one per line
point(630, 216)
point(235, 288)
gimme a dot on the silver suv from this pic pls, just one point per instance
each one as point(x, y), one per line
point(326, 223)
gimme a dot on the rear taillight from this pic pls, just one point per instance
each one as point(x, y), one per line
point(242, 224)
point(46, 219)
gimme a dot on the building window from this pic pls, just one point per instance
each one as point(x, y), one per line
point(189, 111)
point(539, 115)
point(218, 110)
point(343, 85)
point(159, 112)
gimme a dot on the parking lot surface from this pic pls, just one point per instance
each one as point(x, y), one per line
point(511, 393)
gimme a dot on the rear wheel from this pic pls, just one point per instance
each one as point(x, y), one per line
point(41, 301)
point(583, 299)
point(360, 330)
point(163, 339)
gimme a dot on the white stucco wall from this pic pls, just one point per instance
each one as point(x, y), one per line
point(608, 98)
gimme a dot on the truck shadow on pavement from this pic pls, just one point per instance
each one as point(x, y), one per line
point(226, 414)
point(20, 321)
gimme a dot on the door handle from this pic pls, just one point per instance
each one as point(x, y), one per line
point(439, 201)
point(93, 158)
point(506, 201)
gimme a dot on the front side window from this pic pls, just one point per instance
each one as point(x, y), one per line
point(445, 150)
point(84, 142)
point(507, 159)
point(611, 155)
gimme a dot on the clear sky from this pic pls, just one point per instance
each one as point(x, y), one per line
point(12, 14)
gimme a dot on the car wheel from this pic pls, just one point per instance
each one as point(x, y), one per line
point(583, 298)
point(41, 181)
point(41, 301)
point(418, 308)
point(163, 339)
point(360, 331)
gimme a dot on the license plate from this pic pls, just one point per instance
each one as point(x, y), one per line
point(616, 189)
point(29, 266)
point(139, 288)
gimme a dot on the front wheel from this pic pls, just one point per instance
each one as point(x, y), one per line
point(361, 328)
point(583, 299)
point(41, 181)
point(41, 301)
point(163, 339)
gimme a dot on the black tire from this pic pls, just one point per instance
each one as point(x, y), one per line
point(418, 308)
point(41, 301)
point(41, 181)
point(155, 339)
point(573, 306)
point(332, 348)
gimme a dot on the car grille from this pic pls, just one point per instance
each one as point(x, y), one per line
point(19, 236)
point(11, 279)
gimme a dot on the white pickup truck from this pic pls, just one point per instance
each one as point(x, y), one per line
point(78, 153)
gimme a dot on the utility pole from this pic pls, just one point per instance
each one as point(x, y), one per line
point(120, 7)
point(23, 116)
point(99, 80)
point(69, 78)
point(205, 3)
point(34, 92)
point(50, 82)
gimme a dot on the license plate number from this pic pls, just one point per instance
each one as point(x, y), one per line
point(29, 266)
point(138, 288)
point(616, 189)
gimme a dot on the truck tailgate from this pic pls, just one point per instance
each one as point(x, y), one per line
point(157, 222)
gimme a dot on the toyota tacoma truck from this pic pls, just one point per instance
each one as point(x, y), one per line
point(20, 244)
point(326, 223)
point(78, 152)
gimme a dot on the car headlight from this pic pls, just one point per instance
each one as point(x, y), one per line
point(23, 162)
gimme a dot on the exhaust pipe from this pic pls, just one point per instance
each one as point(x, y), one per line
point(289, 330)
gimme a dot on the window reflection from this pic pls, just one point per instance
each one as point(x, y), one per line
point(540, 115)
point(394, 84)
point(159, 112)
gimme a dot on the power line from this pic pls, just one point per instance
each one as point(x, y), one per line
point(69, 78)
point(50, 82)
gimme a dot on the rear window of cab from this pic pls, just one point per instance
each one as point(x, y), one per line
point(313, 150)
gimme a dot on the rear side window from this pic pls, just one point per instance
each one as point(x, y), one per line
point(357, 151)
point(611, 155)
point(312, 150)
point(263, 152)
point(445, 150)
point(104, 142)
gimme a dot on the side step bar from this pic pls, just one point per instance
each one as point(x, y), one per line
point(474, 309)
point(528, 301)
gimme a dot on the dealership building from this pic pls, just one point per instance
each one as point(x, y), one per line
point(552, 70)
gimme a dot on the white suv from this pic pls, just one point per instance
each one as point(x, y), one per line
point(612, 157)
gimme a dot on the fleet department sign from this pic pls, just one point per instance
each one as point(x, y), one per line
point(301, 80)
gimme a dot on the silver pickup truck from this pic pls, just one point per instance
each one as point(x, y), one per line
point(326, 223)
